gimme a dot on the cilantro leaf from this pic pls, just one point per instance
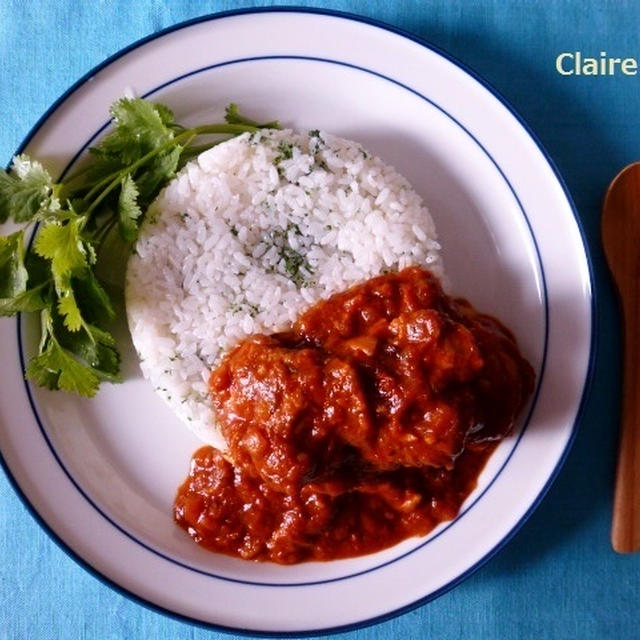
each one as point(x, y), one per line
point(62, 244)
point(128, 210)
point(56, 368)
point(165, 114)
point(69, 310)
point(141, 118)
point(157, 173)
point(93, 299)
point(139, 128)
point(33, 299)
point(104, 358)
point(26, 190)
point(13, 274)
point(38, 268)
point(232, 115)
point(74, 361)
point(42, 373)
point(95, 348)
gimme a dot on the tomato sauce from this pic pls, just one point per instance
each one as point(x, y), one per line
point(365, 424)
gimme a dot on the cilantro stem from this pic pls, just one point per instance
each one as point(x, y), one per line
point(45, 329)
point(103, 232)
point(235, 129)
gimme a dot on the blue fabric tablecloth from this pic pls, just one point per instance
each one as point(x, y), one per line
point(558, 578)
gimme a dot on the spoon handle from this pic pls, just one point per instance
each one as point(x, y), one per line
point(625, 531)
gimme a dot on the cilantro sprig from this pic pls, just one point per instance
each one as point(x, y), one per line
point(77, 222)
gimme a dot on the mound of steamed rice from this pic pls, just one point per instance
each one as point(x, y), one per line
point(249, 235)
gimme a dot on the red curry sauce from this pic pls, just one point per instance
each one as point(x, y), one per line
point(367, 423)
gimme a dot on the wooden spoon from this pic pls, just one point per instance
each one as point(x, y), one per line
point(621, 242)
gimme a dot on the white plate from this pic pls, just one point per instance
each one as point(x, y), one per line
point(101, 474)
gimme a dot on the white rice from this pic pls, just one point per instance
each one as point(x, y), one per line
point(250, 234)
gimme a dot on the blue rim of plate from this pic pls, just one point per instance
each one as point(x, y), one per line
point(593, 339)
